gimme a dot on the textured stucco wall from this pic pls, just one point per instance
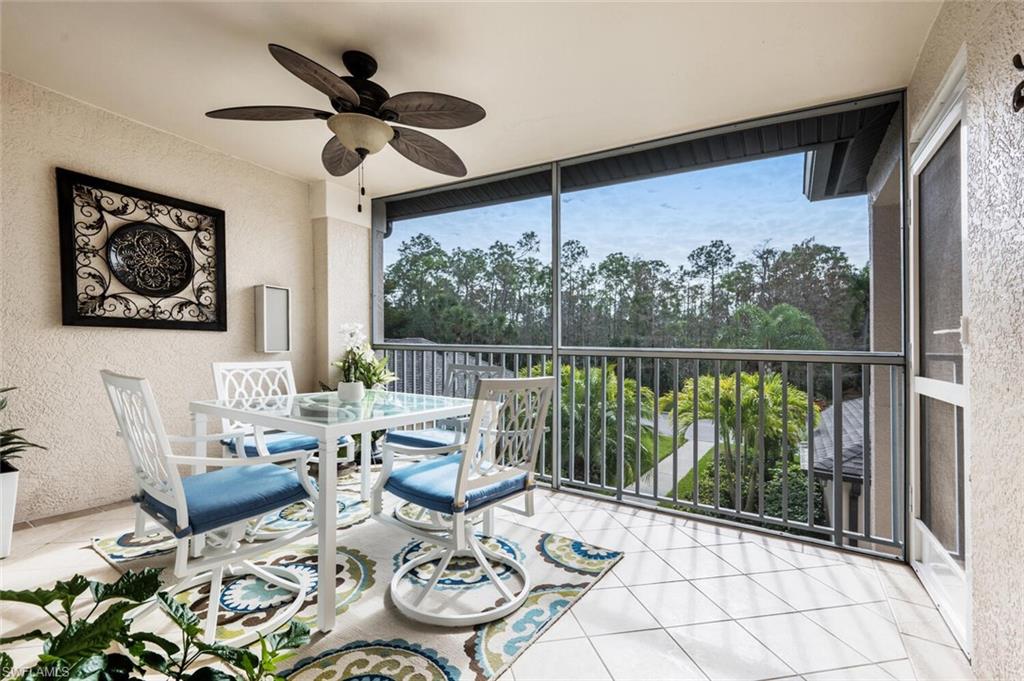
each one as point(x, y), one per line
point(342, 270)
point(993, 33)
point(61, 403)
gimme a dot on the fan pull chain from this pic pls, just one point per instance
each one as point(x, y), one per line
point(362, 190)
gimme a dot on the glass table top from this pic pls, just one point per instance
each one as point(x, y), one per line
point(326, 408)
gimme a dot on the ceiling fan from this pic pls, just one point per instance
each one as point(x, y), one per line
point(363, 114)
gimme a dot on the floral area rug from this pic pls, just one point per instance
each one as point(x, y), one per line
point(371, 639)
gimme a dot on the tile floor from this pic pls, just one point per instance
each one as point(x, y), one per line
point(689, 600)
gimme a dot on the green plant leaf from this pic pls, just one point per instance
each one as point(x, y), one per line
point(88, 669)
point(168, 647)
point(134, 586)
point(236, 657)
point(35, 634)
point(84, 638)
point(6, 663)
point(64, 591)
point(210, 674)
point(186, 620)
point(295, 636)
point(154, 661)
point(119, 668)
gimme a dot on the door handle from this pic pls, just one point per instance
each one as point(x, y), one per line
point(960, 331)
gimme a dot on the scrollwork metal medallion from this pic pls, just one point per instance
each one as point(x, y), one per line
point(134, 258)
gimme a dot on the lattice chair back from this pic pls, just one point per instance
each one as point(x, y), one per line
point(140, 426)
point(460, 380)
point(252, 380)
point(505, 431)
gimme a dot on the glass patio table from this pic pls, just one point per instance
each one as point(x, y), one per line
point(325, 417)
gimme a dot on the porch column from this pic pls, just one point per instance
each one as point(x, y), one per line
point(886, 236)
point(341, 269)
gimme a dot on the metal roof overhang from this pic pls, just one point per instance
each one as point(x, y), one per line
point(841, 142)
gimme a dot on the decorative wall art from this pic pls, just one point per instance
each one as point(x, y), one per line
point(134, 258)
point(1018, 91)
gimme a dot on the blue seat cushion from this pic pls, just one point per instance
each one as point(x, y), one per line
point(431, 484)
point(427, 437)
point(232, 494)
point(279, 442)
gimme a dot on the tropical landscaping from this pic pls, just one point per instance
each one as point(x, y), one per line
point(805, 297)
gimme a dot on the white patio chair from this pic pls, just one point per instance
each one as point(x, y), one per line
point(495, 466)
point(262, 380)
point(244, 380)
point(209, 511)
point(445, 437)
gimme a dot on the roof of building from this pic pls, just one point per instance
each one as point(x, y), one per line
point(853, 441)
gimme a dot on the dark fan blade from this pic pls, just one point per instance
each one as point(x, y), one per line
point(433, 110)
point(313, 74)
point(424, 150)
point(269, 113)
point(337, 159)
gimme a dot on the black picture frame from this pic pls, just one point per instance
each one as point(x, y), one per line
point(92, 294)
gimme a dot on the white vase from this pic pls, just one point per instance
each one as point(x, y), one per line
point(8, 495)
point(351, 392)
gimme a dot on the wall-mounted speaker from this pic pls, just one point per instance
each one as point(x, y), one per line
point(273, 318)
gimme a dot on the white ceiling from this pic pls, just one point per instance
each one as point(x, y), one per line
point(556, 79)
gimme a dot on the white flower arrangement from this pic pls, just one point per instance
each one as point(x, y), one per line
point(359, 363)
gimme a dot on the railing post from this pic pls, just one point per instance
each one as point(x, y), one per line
point(620, 464)
point(760, 439)
point(695, 464)
point(784, 369)
point(865, 383)
point(556, 324)
point(837, 454)
point(810, 445)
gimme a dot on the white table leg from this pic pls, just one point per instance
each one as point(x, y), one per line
point(199, 449)
point(365, 461)
point(327, 527)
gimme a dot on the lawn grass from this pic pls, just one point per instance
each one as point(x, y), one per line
point(685, 487)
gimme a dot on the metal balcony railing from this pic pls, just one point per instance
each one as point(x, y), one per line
point(743, 436)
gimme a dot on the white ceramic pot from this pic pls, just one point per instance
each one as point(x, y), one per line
point(351, 392)
point(8, 495)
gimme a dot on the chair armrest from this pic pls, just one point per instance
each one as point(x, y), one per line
point(206, 438)
point(458, 423)
point(424, 451)
point(299, 457)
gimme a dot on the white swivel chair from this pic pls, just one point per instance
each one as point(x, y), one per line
point(445, 437)
point(244, 380)
point(262, 380)
point(208, 512)
point(495, 466)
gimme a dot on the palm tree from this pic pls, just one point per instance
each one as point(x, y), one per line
point(602, 435)
point(783, 327)
point(739, 450)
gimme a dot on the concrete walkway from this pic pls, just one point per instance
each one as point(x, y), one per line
point(667, 478)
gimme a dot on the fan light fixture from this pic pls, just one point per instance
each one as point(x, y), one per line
point(361, 133)
point(363, 114)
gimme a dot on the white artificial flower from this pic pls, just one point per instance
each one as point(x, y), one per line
point(352, 336)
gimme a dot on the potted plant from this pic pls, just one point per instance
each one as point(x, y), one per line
point(359, 366)
point(11, 446)
point(99, 643)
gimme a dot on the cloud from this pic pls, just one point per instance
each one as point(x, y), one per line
point(667, 217)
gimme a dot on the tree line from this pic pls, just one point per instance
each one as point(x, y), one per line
point(805, 297)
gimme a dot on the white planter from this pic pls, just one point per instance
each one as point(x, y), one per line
point(351, 392)
point(8, 495)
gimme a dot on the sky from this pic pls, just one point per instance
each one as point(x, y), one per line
point(744, 204)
